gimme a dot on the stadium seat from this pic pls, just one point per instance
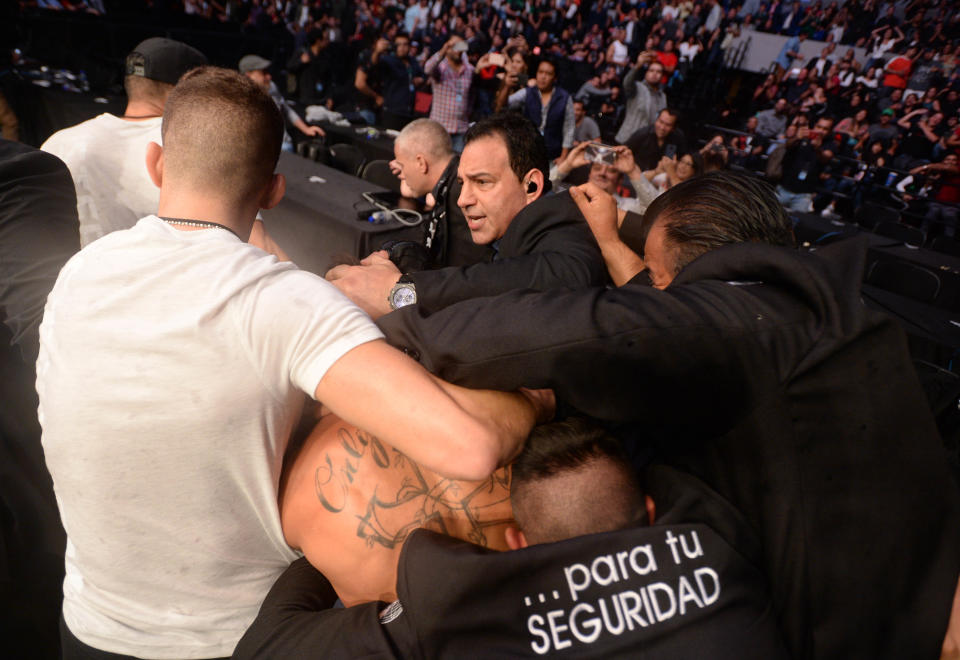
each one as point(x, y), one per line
point(346, 158)
point(378, 172)
point(900, 232)
point(905, 279)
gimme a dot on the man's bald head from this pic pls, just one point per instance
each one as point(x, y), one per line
point(221, 135)
point(421, 153)
point(427, 137)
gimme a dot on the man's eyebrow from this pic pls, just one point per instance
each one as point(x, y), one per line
point(475, 175)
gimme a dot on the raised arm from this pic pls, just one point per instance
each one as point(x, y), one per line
point(600, 210)
point(456, 432)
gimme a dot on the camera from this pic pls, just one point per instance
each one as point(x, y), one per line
point(600, 153)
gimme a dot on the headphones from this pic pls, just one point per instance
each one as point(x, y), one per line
point(532, 187)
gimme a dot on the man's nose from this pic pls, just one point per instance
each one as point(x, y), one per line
point(466, 198)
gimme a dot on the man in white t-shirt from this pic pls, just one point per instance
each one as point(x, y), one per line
point(106, 154)
point(174, 359)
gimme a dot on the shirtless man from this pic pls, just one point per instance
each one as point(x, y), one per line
point(348, 502)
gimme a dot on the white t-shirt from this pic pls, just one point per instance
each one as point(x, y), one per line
point(106, 157)
point(621, 53)
point(688, 51)
point(172, 368)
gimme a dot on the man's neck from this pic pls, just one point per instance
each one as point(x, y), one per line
point(188, 205)
point(439, 167)
point(138, 110)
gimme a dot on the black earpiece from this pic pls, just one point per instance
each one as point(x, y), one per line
point(532, 187)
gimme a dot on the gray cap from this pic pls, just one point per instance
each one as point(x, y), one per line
point(253, 63)
point(163, 59)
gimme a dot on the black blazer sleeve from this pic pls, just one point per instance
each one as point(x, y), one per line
point(296, 620)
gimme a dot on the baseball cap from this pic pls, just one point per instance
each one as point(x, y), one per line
point(250, 63)
point(165, 60)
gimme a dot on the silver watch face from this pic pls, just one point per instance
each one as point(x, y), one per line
point(404, 295)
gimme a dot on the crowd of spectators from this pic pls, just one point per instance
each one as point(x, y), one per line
point(831, 129)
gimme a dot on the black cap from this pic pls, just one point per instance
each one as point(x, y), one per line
point(163, 59)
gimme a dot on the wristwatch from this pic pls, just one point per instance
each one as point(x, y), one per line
point(403, 293)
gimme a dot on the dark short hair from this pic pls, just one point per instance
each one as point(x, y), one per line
point(716, 209)
point(670, 111)
point(313, 36)
point(204, 115)
point(525, 146)
point(560, 446)
point(547, 60)
point(548, 509)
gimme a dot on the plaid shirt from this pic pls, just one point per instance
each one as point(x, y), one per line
point(451, 92)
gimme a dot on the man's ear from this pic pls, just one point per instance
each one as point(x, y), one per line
point(651, 509)
point(154, 161)
point(515, 538)
point(274, 192)
point(533, 185)
point(422, 164)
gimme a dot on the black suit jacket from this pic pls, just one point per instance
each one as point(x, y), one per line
point(547, 246)
point(760, 370)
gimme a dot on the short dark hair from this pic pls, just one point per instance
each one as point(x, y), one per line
point(548, 509)
point(222, 132)
point(715, 209)
point(673, 113)
point(525, 146)
point(547, 60)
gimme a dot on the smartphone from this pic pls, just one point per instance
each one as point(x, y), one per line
point(670, 151)
point(600, 153)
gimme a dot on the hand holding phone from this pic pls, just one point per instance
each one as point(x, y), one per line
point(600, 153)
point(496, 59)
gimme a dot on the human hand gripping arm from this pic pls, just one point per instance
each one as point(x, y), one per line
point(600, 210)
point(369, 284)
point(456, 432)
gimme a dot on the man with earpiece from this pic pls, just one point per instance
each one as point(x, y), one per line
point(539, 241)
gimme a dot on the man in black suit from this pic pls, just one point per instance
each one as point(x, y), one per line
point(539, 242)
point(426, 164)
point(758, 369)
